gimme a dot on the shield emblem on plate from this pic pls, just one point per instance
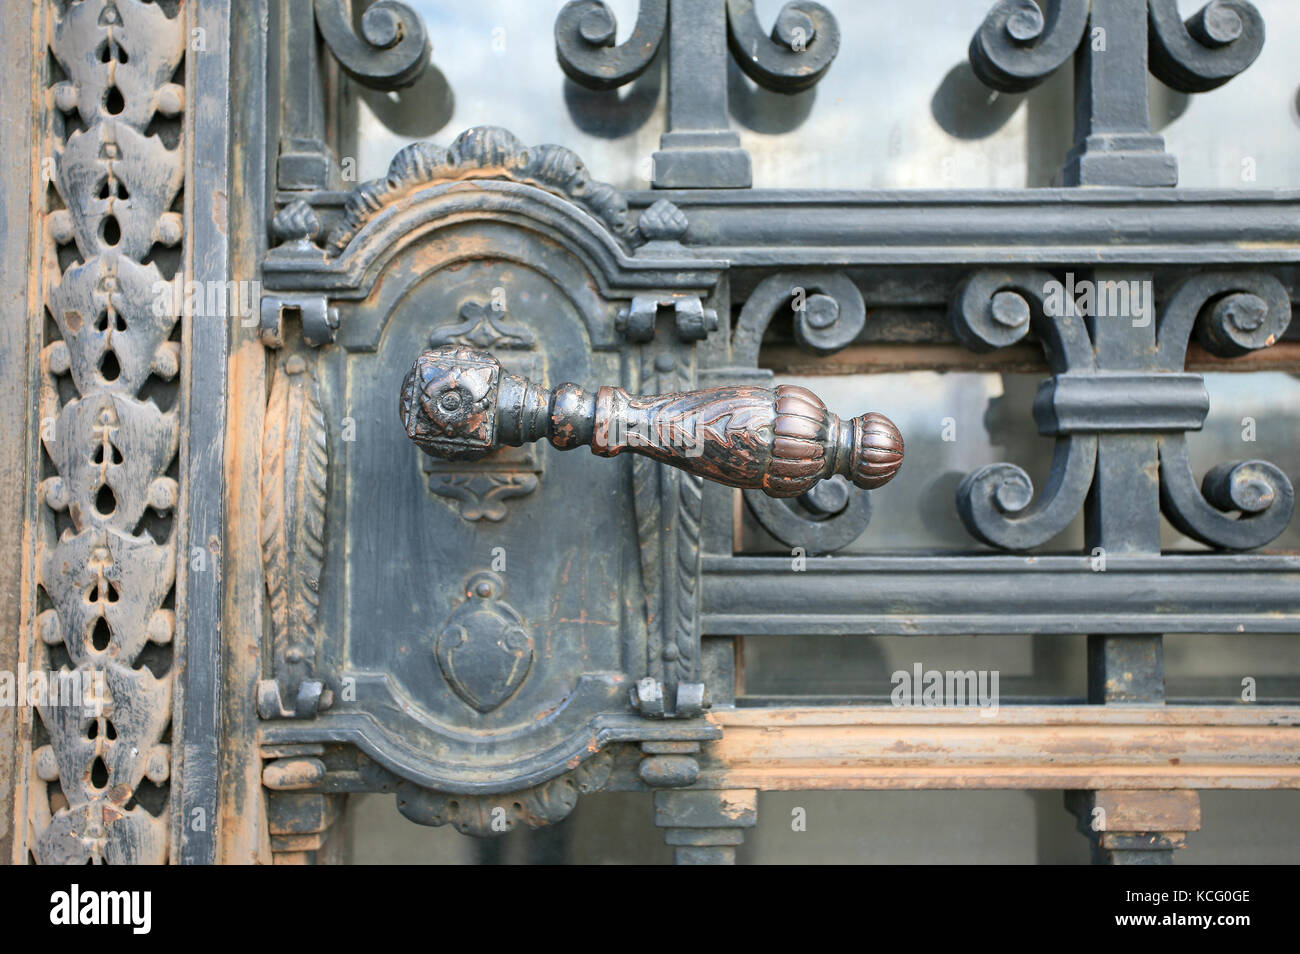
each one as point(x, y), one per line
point(484, 650)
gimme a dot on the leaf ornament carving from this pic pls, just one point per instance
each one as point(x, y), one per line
point(668, 505)
point(295, 466)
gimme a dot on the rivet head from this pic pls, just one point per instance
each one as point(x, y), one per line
point(1009, 309)
point(597, 27)
point(827, 497)
point(1025, 23)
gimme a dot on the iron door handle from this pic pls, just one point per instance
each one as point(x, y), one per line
point(459, 404)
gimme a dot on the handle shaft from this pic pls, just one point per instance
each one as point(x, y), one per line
point(459, 404)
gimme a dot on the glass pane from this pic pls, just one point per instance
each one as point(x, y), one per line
point(956, 422)
point(862, 668)
point(899, 107)
point(494, 65)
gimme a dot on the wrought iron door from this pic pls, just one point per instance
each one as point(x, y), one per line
point(466, 483)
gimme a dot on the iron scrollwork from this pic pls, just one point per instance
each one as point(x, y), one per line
point(828, 315)
point(699, 150)
point(1117, 42)
point(1211, 47)
point(1017, 47)
point(1230, 313)
point(796, 54)
point(584, 42)
point(996, 503)
point(392, 50)
point(827, 307)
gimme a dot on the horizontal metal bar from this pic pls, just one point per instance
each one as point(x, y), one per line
point(1007, 700)
point(780, 227)
point(995, 594)
point(1021, 747)
point(1077, 716)
point(894, 357)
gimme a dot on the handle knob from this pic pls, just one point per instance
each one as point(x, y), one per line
point(459, 404)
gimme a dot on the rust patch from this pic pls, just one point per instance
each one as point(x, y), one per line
point(219, 210)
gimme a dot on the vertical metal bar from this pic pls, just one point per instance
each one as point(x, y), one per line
point(1113, 143)
point(1122, 512)
point(303, 160)
point(1122, 516)
point(199, 595)
point(699, 150)
point(1114, 146)
point(697, 65)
